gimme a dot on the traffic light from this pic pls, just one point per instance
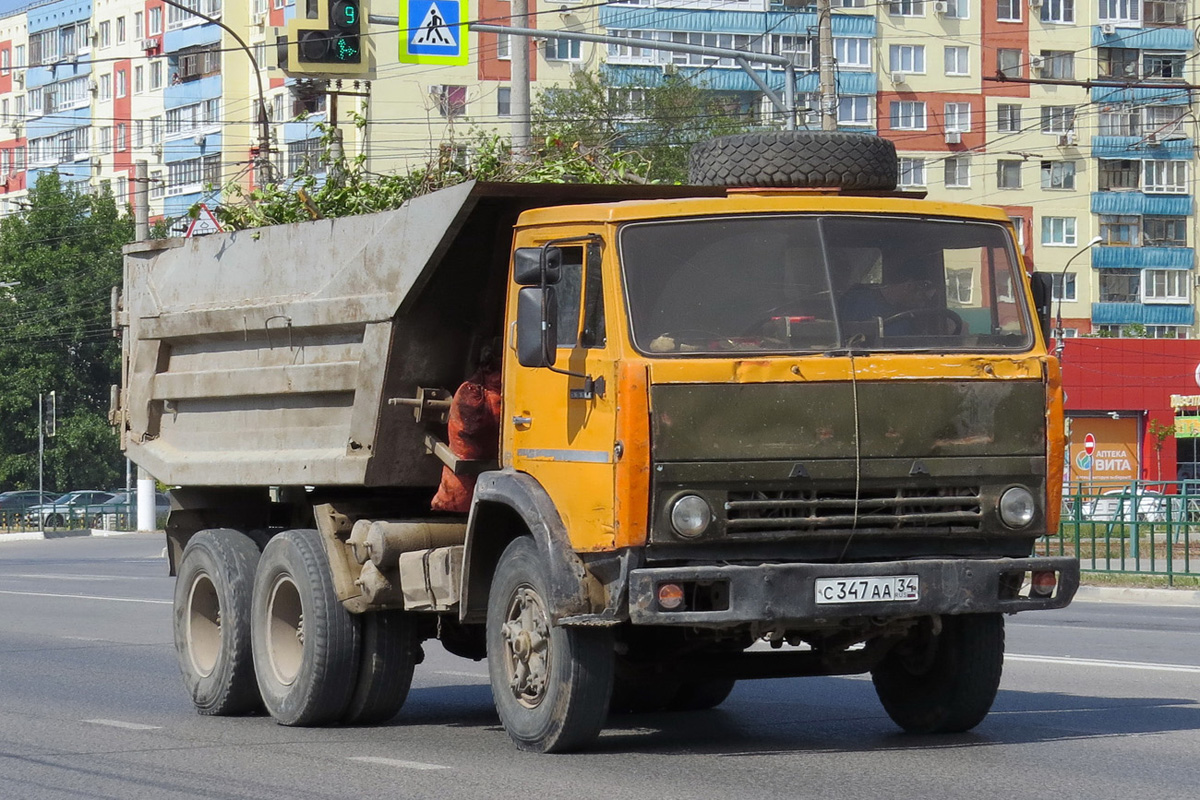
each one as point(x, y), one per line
point(332, 44)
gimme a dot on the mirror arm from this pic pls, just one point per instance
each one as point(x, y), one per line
point(592, 387)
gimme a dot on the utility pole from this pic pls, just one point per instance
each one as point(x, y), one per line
point(518, 48)
point(141, 201)
point(826, 76)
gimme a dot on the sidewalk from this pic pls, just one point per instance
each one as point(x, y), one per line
point(1137, 596)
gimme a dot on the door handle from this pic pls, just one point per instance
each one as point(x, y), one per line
point(522, 421)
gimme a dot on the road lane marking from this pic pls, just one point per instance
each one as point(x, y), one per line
point(395, 762)
point(87, 597)
point(1095, 662)
point(116, 723)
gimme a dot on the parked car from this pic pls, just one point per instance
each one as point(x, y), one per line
point(14, 504)
point(1117, 505)
point(124, 505)
point(73, 508)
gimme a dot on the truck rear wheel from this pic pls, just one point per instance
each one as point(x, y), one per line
point(389, 648)
point(212, 622)
point(306, 644)
point(944, 683)
point(551, 684)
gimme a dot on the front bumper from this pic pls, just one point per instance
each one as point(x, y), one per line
point(786, 593)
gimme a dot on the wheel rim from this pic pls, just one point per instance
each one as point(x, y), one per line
point(203, 625)
point(285, 630)
point(526, 641)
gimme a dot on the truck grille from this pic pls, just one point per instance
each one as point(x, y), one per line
point(783, 510)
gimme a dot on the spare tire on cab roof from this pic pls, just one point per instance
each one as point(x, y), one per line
point(802, 159)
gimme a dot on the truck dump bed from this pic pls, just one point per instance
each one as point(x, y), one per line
point(267, 356)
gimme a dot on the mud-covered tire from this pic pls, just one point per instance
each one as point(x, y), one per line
point(804, 159)
point(306, 644)
point(389, 647)
point(213, 593)
point(948, 686)
point(551, 684)
point(701, 695)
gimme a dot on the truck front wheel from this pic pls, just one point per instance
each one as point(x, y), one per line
point(212, 622)
point(551, 684)
point(943, 683)
point(306, 644)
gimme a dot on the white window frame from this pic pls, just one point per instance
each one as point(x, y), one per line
point(1010, 167)
point(852, 52)
point(1058, 12)
point(1164, 177)
point(957, 9)
point(1006, 120)
point(1167, 285)
point(957, 60)
point(908, 115)
point(1061, 280)
point(957, 117)
point(1059, 176)
point(1059, 231)
point(854, 111)
point(957, 172)
point(1120, 11)
point(911, 171)
point(906, 8)
point(1009, 10)
point(1057, 120)
point(907, 58)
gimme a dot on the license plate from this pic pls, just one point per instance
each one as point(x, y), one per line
point(867, 589)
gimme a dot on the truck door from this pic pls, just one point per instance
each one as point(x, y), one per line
point(555, 428)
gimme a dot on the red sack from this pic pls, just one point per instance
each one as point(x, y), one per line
point(474, 432)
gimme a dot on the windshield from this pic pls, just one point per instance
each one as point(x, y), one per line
point(810, 283)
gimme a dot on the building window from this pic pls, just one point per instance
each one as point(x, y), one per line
point(1119, 285)
point(503, 47)
point(1058, 174)
point(105, 86)
point(1165, 177)
point(1164, 231)
point(156, 75)
point(956, 61)
point(1118, 62)
point(1118, 174)
point(1008, 118)
point(104, 34)
point(907, 58)
point(1165, 122)
point(104, 139)
point(157, 185)
point(122, 142)
point(1008, 62)
point(1164, 13)
point(1063, 287)
point(1058, 231)
point(155, 26)
point(854, 111)
point(1008, 173)
point(1058, 11)
point(121, 30)
point(1058, 64)
point(139, 80)
point(1008, 10)
point(563, 50)
point(852, 52)
point(908, 115)
point(912, 171)
point(958, 172)
point(1118, 121)
point(957, 117)
point(906, 8)
point(798, 48)
point(1018, 224)
point(1163, 66)
point(957, 9)
point(1167, 285)
point(451, 101)
point(1120, 10)
point(139, 25)
point(1058, 119)
point(196, 63)
point(1119, 230)
point(504, 101)
point(122, 83)
point(185, 177)
point(960, 286)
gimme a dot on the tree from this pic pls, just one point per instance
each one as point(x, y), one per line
point(59, 259)
point(660, 123)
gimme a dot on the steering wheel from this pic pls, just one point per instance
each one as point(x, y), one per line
point(955, 327)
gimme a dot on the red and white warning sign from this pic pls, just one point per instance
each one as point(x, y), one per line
point(204, 223)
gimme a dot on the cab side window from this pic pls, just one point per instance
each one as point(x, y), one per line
point(581, 299)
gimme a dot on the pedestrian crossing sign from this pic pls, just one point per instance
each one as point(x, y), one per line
point(433, 31)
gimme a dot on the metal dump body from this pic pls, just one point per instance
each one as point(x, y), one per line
point(266, 357)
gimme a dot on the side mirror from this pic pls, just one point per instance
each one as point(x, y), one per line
point(1043, 294)
point(537, 327)
point(527, 265)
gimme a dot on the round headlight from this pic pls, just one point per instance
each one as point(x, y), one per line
point(1017, 507)
point(690, 515)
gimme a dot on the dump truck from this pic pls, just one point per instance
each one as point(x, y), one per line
point(629, 444)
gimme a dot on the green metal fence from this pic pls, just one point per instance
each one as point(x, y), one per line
point(1141, 527)
point(75, 519)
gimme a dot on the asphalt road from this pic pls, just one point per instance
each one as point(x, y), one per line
point(1098, 701)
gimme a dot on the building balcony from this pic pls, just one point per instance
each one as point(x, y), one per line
point(1141, 204)
point(1142, 148)
point(1140, 313)
point(1143, 257)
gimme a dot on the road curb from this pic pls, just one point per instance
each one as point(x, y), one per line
point(1137, 596)
point(29, 536)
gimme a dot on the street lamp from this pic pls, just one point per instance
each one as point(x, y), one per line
point(1062, 289)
